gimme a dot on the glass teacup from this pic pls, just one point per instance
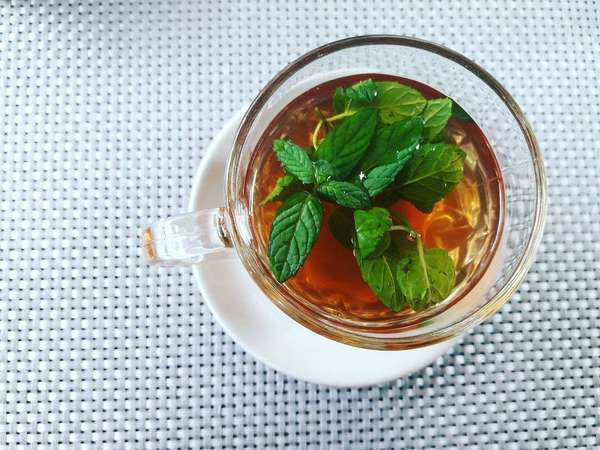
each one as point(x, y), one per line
point(187, 239)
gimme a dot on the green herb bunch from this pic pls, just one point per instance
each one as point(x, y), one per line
point(385, 142)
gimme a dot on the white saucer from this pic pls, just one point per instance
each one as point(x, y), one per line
point(264, 331)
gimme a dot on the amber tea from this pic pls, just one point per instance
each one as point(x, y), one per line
point(372, 195)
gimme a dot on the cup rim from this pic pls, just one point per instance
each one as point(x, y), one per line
point(473, 318)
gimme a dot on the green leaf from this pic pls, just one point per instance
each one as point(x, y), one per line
point(346, 144)
point(285, 186)
point(371, 228)
point(431, 174)
point(435, 117)
point(345, 194)
point(426, 276)
point(459, 113)
point(341, 225)
point(394, 101)
point(294, 160)
point(402, 136)
point(358, 95)
point(293, 233)
point(383, 245)
point(362, 93)
point(381, 177)
point(397, 101)
point(323, 171)
point(380, 274)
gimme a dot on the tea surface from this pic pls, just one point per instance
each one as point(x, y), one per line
point(464, 223)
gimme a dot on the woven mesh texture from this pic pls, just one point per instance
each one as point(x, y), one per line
point(105, 109)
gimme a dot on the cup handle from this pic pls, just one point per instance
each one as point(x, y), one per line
point(186, 239)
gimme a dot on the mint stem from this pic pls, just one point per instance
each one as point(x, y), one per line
point(403, 228)
point(405, 225)
point(327, 120)
point(423, 263)
point(315, 135)
point(341, 116)
point(324, 119)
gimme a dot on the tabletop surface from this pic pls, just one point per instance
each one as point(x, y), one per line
point(105, 109)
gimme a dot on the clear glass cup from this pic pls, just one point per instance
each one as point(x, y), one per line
point(186, 239)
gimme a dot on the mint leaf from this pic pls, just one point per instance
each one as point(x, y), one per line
point(396, 101)
point(358, 95)
point(341, 225)
point(294, 160)
point(383, 245)
point(381, 177)
point(426, 276)
point(345, 194)
point(402, 136)
point(459, 113)
point(285, 186)
point(323, 171)
point(293, 233)
point(371, 228)
point(346, 144)
point(380, 274)
point(393, 147)
point(362, 93)
point(435, 117)
point(430, 175)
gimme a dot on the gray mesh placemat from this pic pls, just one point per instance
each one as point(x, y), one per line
point(105, 109)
